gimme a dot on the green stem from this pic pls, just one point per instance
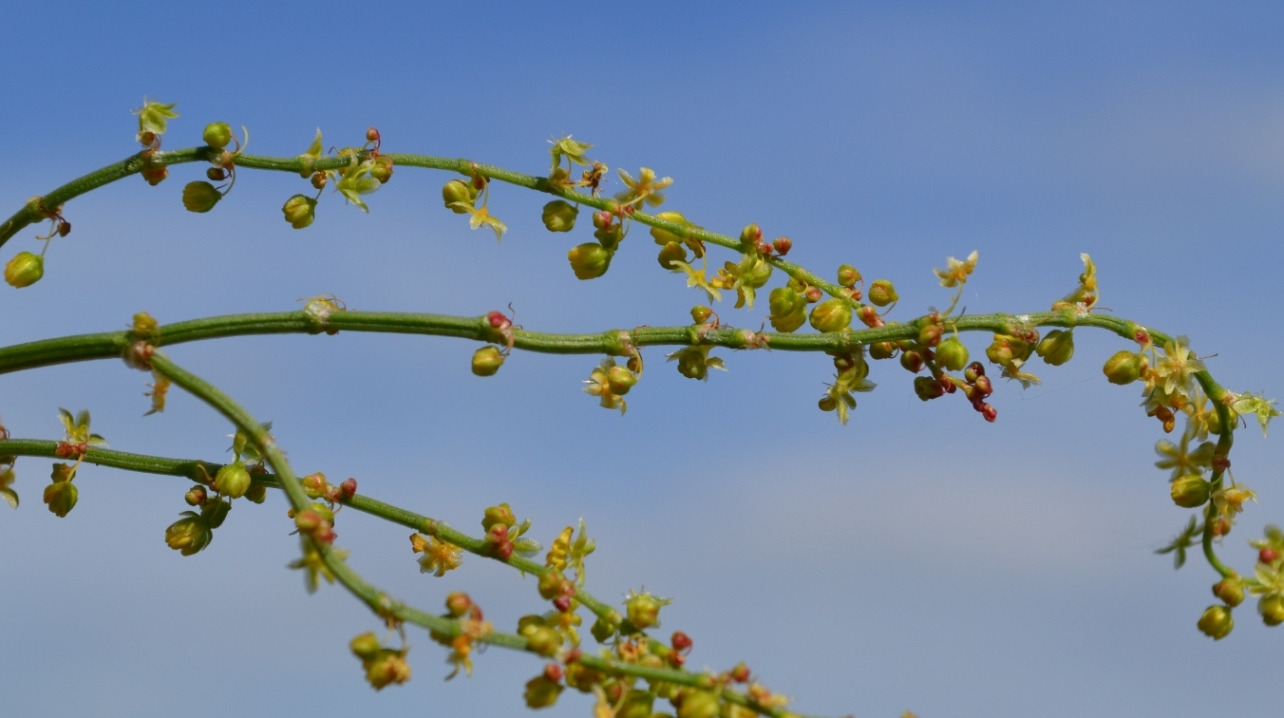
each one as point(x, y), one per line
point(107, 345)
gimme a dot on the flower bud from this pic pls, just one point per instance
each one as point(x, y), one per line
point(300, 210)
point(559, 216)
point(620, 379)
point(542, 692)
point(929, 335)
point(314, 485)
point(456, 193)
point(1057, 347)
point(951, 354)
point(912, 361)
point(216, 174)
point(552, 584)
point(1124, 367)
point(386, 667)
point(217, 135)
point(1268, 555)
point(544, 640)
point(200, 196)
point(701, 314)
point(882, 293)
point(215, 512)
point(1190, 491)
point(788, 309)
point(782, 245)
point(848, 276)
point(1272, 609)
point(589, 260)
point(319, 180)
point(196, 496)
point(348, 489)
point(232, 480)
point(458, 603)
point(670, 253)
point(381, 168)
point(1000, 351)
point(603, 219)
point(698, 704)
point(189, 534)
point(751, 235)
point(24, 270)
point(257, 493)
point(928, 388)
point(487, 361)
point(1230, 591)
point(661, 236)
point(498, 515)
point(155, 175)
point(831, 315)
point(602, 631)
point(365, 645)
point(881, 350)
point(1216, 622)
point(644, 610)
point(636, 704)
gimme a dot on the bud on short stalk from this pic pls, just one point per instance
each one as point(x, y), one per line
point(882, 293)
point(559, 216)
point(1057, 347)
point(589, 260)
point(487, 361)
point(299, 211)
point(1190, 491)
point(831, 315)
point(1216, 622)
point(24, 270)
point(1124, 367)
point(217, 135)
point(200, 196)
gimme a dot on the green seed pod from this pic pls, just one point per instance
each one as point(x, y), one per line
point(670, 253)
point(589, 260)
point(559, 216)
point(1124, 367)
point(663, 237)
point(24, 270)
point(1190, 491)
point(300, 210)
point(217, 135)
point(831, 315)
point(698, 704)
point(233, 480)
point(458, 195)
point(1272, 609)
point(951, 354)
point(882, 292)
point(1230, 591)
point(189, 534)
point(848, 276)
point(542, 692)
point(1057, 347)
point(1216, 622)
point(61, 497)
point(200, 196)
point(487, 361)
point(620, 379)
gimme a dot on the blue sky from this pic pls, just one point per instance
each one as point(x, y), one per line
point(917, 558)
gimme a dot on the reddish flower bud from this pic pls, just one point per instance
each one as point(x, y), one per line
point(989, 412)
point(782, 245)
point(974, 370)
point(348, 489)
point(912, 361)
point(1268, 555)
point(681, 641)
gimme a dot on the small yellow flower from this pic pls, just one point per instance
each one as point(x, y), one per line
point(957, 272)
point(1230, 500)
point(1176, 370)
point(481, 217)
point(1181, 459)
point(438, 556)
point(697, 278)
point(572, 150)
point(313, 565)
point(646, 188)
point(6, 478)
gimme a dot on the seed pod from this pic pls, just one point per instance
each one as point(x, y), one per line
point(927, 388)
point(1230, 591)
point(1272, 609)
point(299, 211)
point(1190, 491)
point(200, 196)
point(61, 497)
point(24, 270)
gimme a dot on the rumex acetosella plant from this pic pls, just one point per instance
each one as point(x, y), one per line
point(616, 655)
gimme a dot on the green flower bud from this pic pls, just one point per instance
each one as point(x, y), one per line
point(61, 497)
point(882, 292)
point(881, 350)
point(848, 276)
point(701, 314)
point(698, 704)
point(754, 270)
point(458, 603)
point(215, 512)
point(951, 354)
point(589, 260)
point(300, 210)
point(552, 584)
point(644, 610)
point(788, 309)
point(542, 692)
point(927, 388)
point(670, 253)
point(831, 315)
point(620, 379)
point(1190, 491)
point(457, 195)
point(381, 168)
point(189, 534)
point(751, 235)
point(602, 631)
point(385, 667)
point(365, 645)
point(636, 704)
point(1216, 622)
point(560, 216)
point(501, 514)
point(24, 270)
point(257, 494)
point(217, 135)
point(929, 335)
point(1124, 367)
point(200, 196)
point(663, 237)
point(1230, 591)
point(1000, 351)
point(1272, 609)
point(544, 640)
point(487, 361)
point(1057, 347)
point(233, 480)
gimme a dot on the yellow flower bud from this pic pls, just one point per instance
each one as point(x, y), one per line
point(636, 704)
point(1057, 347)
point(848, 276)
point(300, 210)
point(1190, 491)
point(1124, 367)
point(1272, 609)
point(882, 292)
point(643, 610)
point(24, 270)
point(670, 253)
point(951, 354)
point(559, 216)
point(217, 135)
point(458, 195)
point(542, 692)
point(589, 260)
point(487, 361)
point(1216, 622)
point(189, 534)
point(663, 237)
point(1230, 591)
point(365, 645)
point(831, 315)
point(385, 667)
point(698, 704)
point(233, 480)
point(620, 379)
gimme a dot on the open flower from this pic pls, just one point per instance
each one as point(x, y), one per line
point(697, 278)
point(438, 556)
point(1181, 459)
point(957, 272)
point(1176, 370)
point(646, 188)
point(6, 479)
point(1260, 406)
